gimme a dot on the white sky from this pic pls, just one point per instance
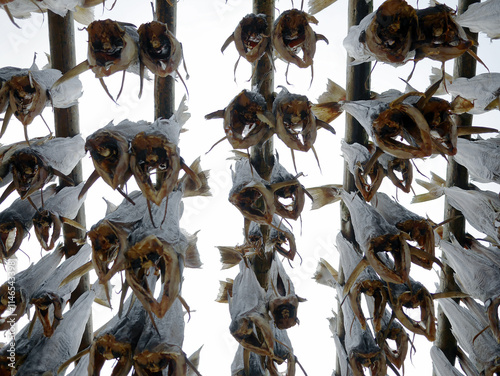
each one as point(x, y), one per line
point(202, 27)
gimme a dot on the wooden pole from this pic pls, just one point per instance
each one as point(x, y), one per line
point(62, 53)
point(357, 88)
point(456, 176)
point(165, 86)
point(262, 156)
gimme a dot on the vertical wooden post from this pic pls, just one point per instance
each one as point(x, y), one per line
point(165, 86)
point(357, 88)
point(62, 53)
point(262, 156)
point(457, 176)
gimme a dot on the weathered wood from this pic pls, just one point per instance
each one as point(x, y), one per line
point(456, 175)
point(63, 57)
point(164, 87)
point(357, 88)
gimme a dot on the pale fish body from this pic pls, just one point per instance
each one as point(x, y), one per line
point(481, 158)
point(482, 17)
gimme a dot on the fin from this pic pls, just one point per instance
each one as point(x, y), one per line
point(75, 71)
point(228, 41)
point(85, 268)
point(216, 115)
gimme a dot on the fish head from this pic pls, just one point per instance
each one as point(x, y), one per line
point(405, 122)
point(400, 173)
point(162, 357)
point(253, 331)
point(43, 222)
point(27, 98)
point(295, 121)
point(442, 125)
point(106, 347)
point(397, 334)
point(153, 252)
point(373, 359)
point(283, 308)
point(289, 198)
point(42, 304)
point(29, 172)
point(160, 51)
point(368, 182)
point(109, 152)
point(255, 202)
point(391, 33)
point(245, 120)
point(421, 233)
point(12, 307)
point(375, 289)
point(250, 37)
point(12, 234)
point(150, 154)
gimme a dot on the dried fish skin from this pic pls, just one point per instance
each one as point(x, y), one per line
point(160, 346)
point(50, 294)
point(249, 37)
point(483, 350)
point(25, 283)
point(256, 366)
point(481, 92)
point(292, 33)
point(247, 122)
point(250, 322)
point(357, 157)
point(61, 207)
point(390, 35)
point(481, 158)
point(17, 220)
point(286, 187)
point(414, 295)
point(64, 342)
point(481, 18)
point(112, 47)
point(441, 365)
point(418, 228)
point(375, 235)
point(440, 37)
point(34, 166)
point(250, 194)
point(281, 297)
point(159, 51)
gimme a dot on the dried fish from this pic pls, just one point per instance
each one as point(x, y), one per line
point(324, 195)
point(159, 349)
point(418, 228)
point(24, 284)
point(255, 364)
point(250, 322)
point(50, 294)
point(480, 208)
point(376, 236)
point(328, 107)
point(289, 194)
point(291, 34)
point(481, 18)
point(481, 158)
point(345, 367)
point(64, 342)
point(17, 220)
point(477, 276)
point(282, 300)
point(35, 166)
point(281, 238)
point(477, 94)
point(357, 158)
point(483, 349)
point(441, 365)
point(58, 209)
point(296, 124)
point(413, 295)
point(247, 122)
point(398, 170)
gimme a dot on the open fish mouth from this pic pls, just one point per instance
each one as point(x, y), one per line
point(105, 248)
point(422, 300)
point(368, 182)
point(255, 203)
point(13, 304)
point(106, 41)
point(154, 40)
point(29, 172)
point(397, 247)
point(11, 237)
point(110, 156)
point(395, 355)
point(42, 304)
point(43, 222)
point(284, 311)
point(107, 347)
point(254, 333)
point(154, 154)
point(437, 113)
point(375, 289)
point(400, 173)
point(289, 200)
point(422, 233)
point(375, 361)
point(27, 99)
point(163, 357)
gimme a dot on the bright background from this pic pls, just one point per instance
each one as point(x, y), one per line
point(202, 28)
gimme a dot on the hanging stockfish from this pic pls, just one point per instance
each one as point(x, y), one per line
point(481, 158)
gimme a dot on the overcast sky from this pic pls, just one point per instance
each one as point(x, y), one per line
point(202, 27)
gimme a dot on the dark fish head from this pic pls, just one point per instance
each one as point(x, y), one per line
point(255, 202)
point(12, 307)
point(162, 357)
point(29, 172)
point(253, 331)
point(27, 98)
point(289, 199)
point(152, 252)
point(400, 173)
point(422, 236)
point(402, 131)
point(368, 182)
point(42, 304)
point(250, 37)
point(110, 156)
point(437, 113)
point(12, 234)
point(106, 347)
point(154, 154)
point(244, 123)
point(283, 242)
point(392, 31)
point(376, 289)
point(397, 334)
point(45, 222)
point(373, 359)
point(160, 51)
point(105, 248)
point(284, 310)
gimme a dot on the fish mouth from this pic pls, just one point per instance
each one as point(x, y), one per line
point(110, 156)
point(296, 126)
point(15, 306)
point(154, 154)
point(106, 41)
point(253, 38)
point(105, 248)
point(395, 246)
point(375, 289)
point(255, 202)
point(375, 361)
point(43, 222)
point(284, 311)
point(26, 98)
point(289, 200)
point(164, 356)
point(154, 40)
point(11, 237)
point(402, 131)
point(254, 333)
point(107, 347)
point(369, 182)
point(396, 355)
point(443, 129)
point(148, 253)
point(29, 172)
point(422, 234)
point(42, 304)
point(422, 300)
point(285, 244)
point(404, 167)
